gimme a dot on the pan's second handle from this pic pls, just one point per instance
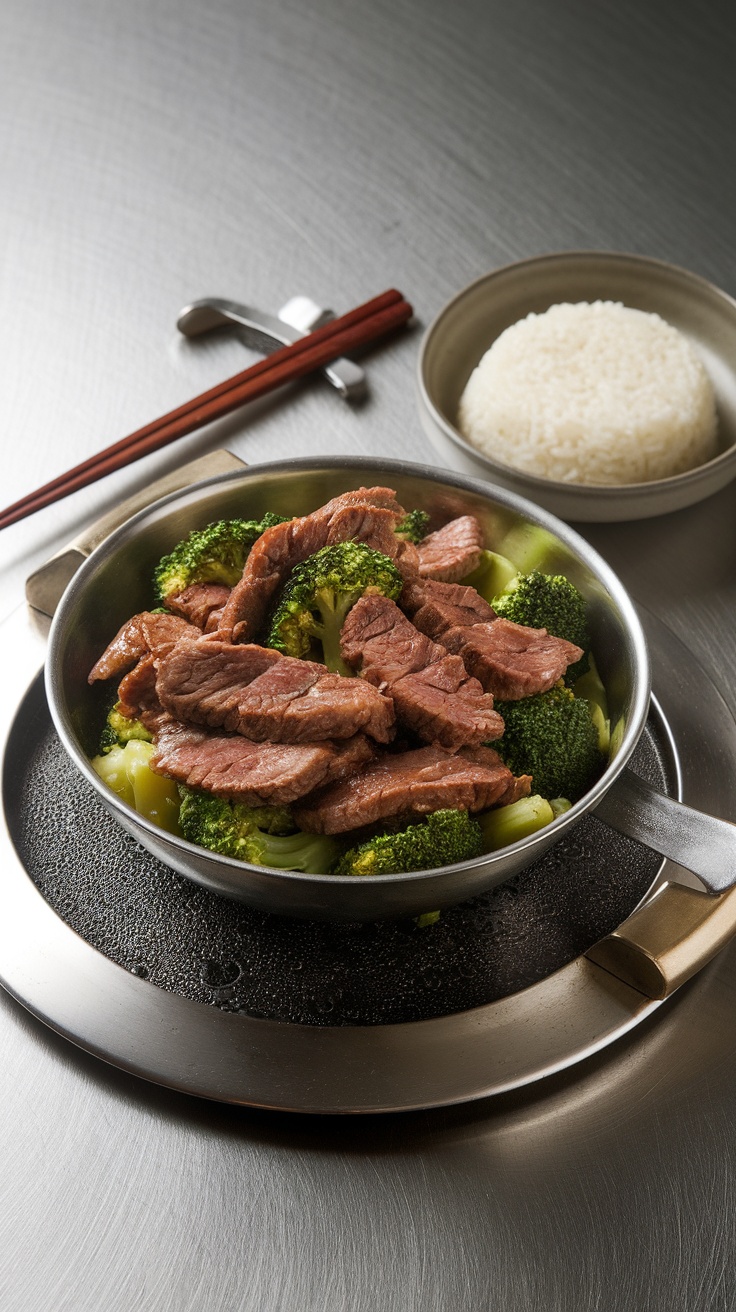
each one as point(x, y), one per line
point(45, 586)
point(669, 939)
point(693, 839)
point(679, 929)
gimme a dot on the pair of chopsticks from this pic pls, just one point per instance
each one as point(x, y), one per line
point(365, 324)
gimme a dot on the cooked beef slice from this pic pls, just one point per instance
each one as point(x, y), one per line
point(407, 562)
point(366, 515)
point(257, 774)
point(453, 552)
point(264, 695)
point(510, 660)
point(435, 607)
point(141, 634)
point(410, 785)
point(431, 691)
point(197, 602)
point(137, 691)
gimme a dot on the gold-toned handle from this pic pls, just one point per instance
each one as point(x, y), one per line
point(45, 586)
point(668, 939)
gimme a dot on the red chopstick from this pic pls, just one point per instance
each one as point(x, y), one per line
point(357, 328)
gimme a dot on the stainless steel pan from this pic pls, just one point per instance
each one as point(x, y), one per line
point(114, 583)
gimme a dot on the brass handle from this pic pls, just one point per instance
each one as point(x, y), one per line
point(668, 939)
point(45, 586)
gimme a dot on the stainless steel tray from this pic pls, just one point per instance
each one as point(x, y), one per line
point(185, 1045)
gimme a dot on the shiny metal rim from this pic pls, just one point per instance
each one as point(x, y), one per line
point(186, 1046)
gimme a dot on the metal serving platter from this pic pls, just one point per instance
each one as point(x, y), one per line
point(213, 1053)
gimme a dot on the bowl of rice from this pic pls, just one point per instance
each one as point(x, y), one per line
point(600, 385)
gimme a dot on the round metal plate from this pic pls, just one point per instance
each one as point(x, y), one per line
point(183, 1044)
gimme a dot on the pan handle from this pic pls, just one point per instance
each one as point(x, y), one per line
point(679, 929)
point(697, 841)
point(45, 586)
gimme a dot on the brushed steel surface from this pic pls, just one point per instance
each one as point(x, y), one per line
point(472, 321)
point(151, 152)
point(95, 606)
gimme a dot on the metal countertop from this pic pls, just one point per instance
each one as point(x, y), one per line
point(155, 153)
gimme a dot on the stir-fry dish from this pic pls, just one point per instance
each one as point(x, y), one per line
point(349, 693)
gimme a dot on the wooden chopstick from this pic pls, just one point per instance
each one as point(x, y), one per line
point(357, 328)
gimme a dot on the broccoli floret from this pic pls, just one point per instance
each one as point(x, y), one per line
point(552, 737)
point(319, 595)
point(119, 730)
point(262, 835)
point(213, 554)
point(413, 526)
point(126, 770)
point(551, 602)
point(546, 601)
point(442, 839)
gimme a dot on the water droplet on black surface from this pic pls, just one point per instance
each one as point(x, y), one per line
point(185, 939)
point(219, 974)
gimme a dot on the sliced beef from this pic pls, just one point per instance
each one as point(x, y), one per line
point(453, 552)
point(510, 660)
point(198, 602)
point(144, 633)
point(436, 607)
point(264, 695)
point(411, 785)
point(407, 562)
point(137, 691)
point(431, 690)
point(367, 515)
point(257, 774)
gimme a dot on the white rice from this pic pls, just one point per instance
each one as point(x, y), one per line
point(595, 393)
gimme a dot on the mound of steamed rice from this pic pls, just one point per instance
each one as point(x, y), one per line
point(591, 393)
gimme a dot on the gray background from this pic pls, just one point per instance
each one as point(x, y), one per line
point(154, 153)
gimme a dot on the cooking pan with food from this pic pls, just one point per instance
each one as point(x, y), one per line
point(115, 583)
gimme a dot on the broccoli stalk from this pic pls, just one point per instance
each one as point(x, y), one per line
point(551, 602)
point(491, 576)
point(213, 554)
point(531, 547)
point(509, 824)
point(331, 607)
point(262, 836)
point(442, 839)
point(413, 527)
point(551, 736)
point(590, 686)
point(319, 595)
point(126, 770)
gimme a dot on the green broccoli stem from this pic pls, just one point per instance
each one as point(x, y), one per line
point(333, 608)
point(509, 824)
point(309, 853)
